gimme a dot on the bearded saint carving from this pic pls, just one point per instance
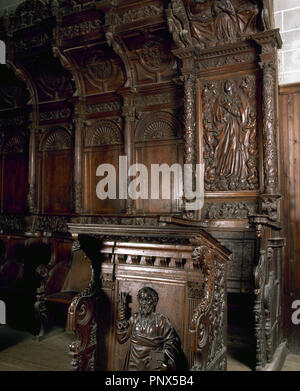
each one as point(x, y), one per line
point(154, 344)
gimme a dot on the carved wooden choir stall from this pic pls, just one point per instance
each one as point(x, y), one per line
point(184, 82)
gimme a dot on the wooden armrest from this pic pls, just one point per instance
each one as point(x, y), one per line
point(61, 297)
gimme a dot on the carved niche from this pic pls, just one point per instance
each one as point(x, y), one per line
point(230, 134)
point(154, 343)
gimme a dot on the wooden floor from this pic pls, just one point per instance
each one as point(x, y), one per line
point(19, 351)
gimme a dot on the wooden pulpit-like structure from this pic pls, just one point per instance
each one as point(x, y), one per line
point(186, 267)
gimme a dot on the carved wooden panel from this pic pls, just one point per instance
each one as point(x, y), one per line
point(230, 131)
point(56, 171)
point(14, 172)
point(102, 145)
point(289, 140)
point(158, 141)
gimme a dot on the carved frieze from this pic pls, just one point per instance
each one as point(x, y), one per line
point(139, 13)
point(228, 210)
point(230, 134)
point(50, 224)
point(80, 29)
point(155, 99)
point(103, 107)
point(55, 114)
point(12, 223)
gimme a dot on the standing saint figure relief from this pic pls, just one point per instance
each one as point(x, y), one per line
point(232, 126)
point(154, 344)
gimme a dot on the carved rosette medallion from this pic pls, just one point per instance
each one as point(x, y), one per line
point(99, 68)
point(154, 56)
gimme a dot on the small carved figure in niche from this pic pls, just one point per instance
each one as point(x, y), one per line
point(233, 124)
point(154, 344)
point(247, 13)
point(225, 20)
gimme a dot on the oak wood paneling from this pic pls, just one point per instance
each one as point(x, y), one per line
point(290, 142)
point(15, 182)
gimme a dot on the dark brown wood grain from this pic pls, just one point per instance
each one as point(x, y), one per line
point(289, 130)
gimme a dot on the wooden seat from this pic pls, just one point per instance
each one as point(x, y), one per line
point(60, 284)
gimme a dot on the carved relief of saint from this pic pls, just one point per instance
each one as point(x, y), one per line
point(154, 344)
point(231, 129)
point(226, 26)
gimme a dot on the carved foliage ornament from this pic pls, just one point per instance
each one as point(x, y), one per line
point(230, 134)
point(208, 317)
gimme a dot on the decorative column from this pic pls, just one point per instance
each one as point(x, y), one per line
point(31, 196)
point(190, 138)
point(78, 122)
point(269, 42)
point(128, 112)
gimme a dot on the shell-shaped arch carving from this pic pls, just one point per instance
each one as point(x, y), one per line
point(56, 140)
point(158, 126)
point(14, 144)
point(104, 132)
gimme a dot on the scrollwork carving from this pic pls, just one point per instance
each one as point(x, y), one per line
point(178, 24)
point(207, 323)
